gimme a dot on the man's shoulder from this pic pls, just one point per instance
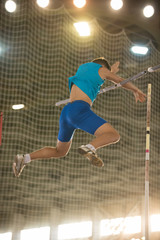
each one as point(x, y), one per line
point(90, 64)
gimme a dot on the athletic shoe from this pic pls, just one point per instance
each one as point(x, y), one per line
point(92, 156)
point(18, 165)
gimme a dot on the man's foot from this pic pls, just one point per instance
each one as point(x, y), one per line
point(92, 156)
point(18, 164)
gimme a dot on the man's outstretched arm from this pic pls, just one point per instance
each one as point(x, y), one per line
point(138, 94)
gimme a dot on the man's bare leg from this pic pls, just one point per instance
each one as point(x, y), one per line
point(60, 150)
point(105, 135)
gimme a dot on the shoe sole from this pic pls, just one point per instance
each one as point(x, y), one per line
point(93, 159)
point(15, 170)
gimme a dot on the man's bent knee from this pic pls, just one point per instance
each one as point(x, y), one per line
point(113, 135)
point(61, 153)
point(116, 137)
point(63, 148)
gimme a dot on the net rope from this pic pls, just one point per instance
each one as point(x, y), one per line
point(41, 49)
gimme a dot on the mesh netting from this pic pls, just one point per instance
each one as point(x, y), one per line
point(41, 49)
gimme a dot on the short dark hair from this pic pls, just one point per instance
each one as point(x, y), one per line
point(102, 61)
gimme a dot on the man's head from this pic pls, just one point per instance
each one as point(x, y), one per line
point(102, 61)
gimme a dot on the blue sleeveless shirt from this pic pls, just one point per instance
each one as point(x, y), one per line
point(87, 79)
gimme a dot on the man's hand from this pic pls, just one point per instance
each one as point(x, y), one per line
point(111, 75)
point(115, 67)
point(139, 96)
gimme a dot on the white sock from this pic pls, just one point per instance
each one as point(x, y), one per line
point(90, 146)
point(27, 158)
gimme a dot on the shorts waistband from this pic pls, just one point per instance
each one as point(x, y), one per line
point(80, 101)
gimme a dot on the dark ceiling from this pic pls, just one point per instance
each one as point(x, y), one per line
point(130, 18)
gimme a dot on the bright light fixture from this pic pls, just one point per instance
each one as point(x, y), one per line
point(128, 225)
point(75, 230)
point(111, 226)
point(155, 223)
point(116, 4)
point(6, 236)
point(36, 233)
point(82, 28)
point(79, 3)
point(17, 106)
point(139, 50)
point(43, 3)
point(132, 225)
point(10, 6)
point(148, 11)
point(3, 48)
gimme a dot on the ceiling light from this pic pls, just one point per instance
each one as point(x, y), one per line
point(139, 50)
point(43, 3)
point(82, 28)
point(10, 6)
point(17, 106)
point(148, 11)
point(116, 4)
point(79, 3)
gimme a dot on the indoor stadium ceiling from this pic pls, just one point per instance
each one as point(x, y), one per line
point(130, 18)
point(138, 28)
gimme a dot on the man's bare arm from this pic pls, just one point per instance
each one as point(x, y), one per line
point(138, 94)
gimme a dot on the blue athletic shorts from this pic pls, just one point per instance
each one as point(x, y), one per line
point(78, 115)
